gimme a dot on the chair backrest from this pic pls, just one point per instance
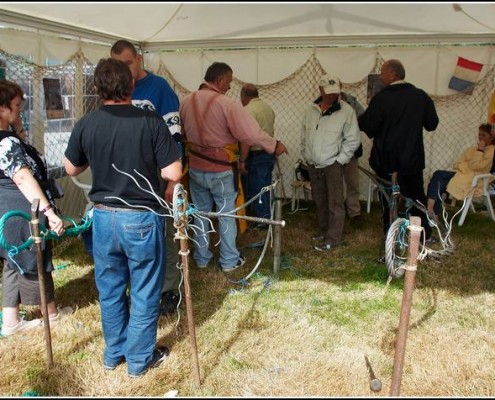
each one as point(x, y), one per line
point(485, 179)
point(84, 181)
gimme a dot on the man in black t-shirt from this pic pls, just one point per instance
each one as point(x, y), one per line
point(128, 250)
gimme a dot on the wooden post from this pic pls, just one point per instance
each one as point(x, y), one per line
point(409, 279)
point(184, 252)
point(41, 277)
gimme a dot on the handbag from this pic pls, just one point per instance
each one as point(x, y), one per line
point(302, 173)
point(52, 189)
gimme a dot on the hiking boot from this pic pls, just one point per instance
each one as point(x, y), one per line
point(23, 325)
point(240, 262)
point(159, 355)
point(169, 302)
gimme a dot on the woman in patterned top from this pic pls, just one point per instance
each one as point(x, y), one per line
point(21, 168)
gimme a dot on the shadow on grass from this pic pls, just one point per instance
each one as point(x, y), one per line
point(470, 270)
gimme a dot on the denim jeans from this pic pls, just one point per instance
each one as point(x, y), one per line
point(437, 187)
point(208, 189)
point(260, 169)
point(128, 250)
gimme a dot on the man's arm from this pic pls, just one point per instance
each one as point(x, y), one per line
point(172, 172)
point(351, 140)
point(430, 119)
point(71, 169)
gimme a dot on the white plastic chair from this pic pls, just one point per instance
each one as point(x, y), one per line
point(485, 180)
point(84, 181)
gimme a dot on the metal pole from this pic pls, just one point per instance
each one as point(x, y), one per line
point(277, 234)
point(409, 278)
point(41, 277)
point(184, 251)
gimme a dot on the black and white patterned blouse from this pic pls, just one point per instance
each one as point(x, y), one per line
point(14, 156)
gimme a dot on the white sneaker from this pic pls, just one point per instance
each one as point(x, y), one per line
point(23, 325)
point(61, 312)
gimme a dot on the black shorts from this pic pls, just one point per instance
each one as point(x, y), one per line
point(24, 289)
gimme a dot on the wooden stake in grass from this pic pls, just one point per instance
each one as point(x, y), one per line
point(405, 312)
point(41, 276)
point(180, 224)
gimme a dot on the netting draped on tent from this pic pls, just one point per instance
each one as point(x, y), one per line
point(460, 114)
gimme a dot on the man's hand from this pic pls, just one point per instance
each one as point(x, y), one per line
point(280, 148)
point(169, 191)
point(242, 167)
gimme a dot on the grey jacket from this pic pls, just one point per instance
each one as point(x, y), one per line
point(329, 137)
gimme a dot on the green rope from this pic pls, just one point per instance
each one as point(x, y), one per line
point(45, 233)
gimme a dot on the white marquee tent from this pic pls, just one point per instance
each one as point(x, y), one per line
point(282, 47)
point(280, 35)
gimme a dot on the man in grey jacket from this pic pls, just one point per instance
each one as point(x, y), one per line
point(330, 135)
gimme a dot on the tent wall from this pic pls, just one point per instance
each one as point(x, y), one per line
point(287, 79)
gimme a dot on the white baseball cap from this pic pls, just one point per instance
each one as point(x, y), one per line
point(330, 84)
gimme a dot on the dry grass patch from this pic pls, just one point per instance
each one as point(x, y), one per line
point(304, 332)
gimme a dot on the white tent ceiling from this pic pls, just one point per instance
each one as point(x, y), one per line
point(203, 24)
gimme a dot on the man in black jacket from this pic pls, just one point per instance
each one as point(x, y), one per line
point(395, 119)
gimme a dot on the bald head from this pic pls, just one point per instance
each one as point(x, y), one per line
point(248, 92)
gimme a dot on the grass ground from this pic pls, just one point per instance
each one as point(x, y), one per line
point(302, 332)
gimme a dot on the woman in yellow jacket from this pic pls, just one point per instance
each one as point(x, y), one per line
point(473, 161)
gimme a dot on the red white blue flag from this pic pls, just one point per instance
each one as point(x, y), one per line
point(465, 75)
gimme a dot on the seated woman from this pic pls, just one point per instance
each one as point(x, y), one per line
point(473, 161)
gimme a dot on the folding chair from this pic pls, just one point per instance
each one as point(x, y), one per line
point(485, 179)
point(85, 182)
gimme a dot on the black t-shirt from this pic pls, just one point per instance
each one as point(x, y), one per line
point(136, 141)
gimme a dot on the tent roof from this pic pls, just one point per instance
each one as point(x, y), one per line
point(203, 24)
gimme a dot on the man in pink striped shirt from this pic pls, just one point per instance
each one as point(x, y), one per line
point(213, 125)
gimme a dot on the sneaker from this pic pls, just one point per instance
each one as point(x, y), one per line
point(61, 312)
point(318, 238)
point(169, 302)
point(326, 246)
point(202, 266)
point(159, 355)
point(111, 366)
point(23, 325)
point(240, 262)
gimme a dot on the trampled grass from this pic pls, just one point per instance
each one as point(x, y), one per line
point(302, 332)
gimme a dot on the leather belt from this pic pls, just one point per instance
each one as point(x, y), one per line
point(125, 209)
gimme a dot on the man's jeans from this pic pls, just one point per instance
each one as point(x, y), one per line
point(128, 249)
point(208, 189)
point(260, 169)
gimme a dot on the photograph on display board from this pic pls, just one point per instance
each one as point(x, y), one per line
point(53, 98)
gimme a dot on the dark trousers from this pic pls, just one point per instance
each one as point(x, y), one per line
point(260, 170)
point(437, 187)
point(411, 186)
point(327, 189)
